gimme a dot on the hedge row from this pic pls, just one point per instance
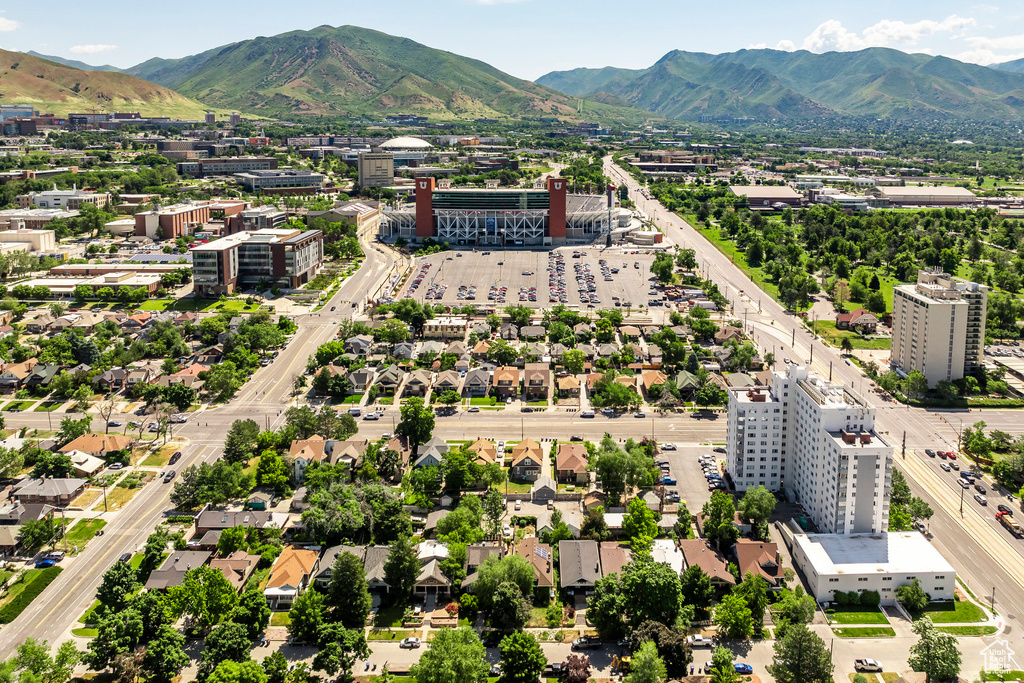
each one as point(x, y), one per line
point(37, 584)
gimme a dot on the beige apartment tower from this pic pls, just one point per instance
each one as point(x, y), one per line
point(376, 169)
point(939, 326)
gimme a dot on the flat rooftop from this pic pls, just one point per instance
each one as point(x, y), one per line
point(906, 552)
point(830, 395)
point(770, 191)
point(922, 191)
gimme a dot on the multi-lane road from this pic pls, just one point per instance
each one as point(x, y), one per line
point(986, 557)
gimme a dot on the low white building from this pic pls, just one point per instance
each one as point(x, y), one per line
point(877, 562)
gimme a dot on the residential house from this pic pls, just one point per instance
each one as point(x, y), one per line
point(543, 490)
point(630, 332)
point(486, 451)
point(589, 350)
point(761, 559)
point(17, 513)
point(628, 381)
point(651, 379)
point(236, 567)
point(431, 453)
point(111, 380)
point(527, 458)
point(700, 553)
point(607, 350)
point(389, 379)
point(687, 383)
point(539, 555)
point(56, 492)
point(218, 520)
point(571, 463)
point(39, 324)
point(99, 445)
point(537, 381)
point(43, 374)
point(583, 330)
point(475, 556)
point(447, 381)
point(481, 329)
point(456, 348)
point(614, 557)
point(481, 348)
point(405, 351)
point(532, 332)
point(431, 580)
point(508, 332)
point(664, 550)
point(535, 350)
point(557, 349)
point(477, 382)
point(373, 564)
point(259, 500)
point(172, 572)
point(139, 321)
point(430, 349)
point(446, 327)
point(322, 578)
point(85, 465)
point(138, 376)
point(359, 345)
point(360, 380)
point(858, 320)
point(306, 451)
point(727, 332)
point(14, 374)
point(417, 383)
point(568, 387)
point(505, 382)
point(289, 576)
point(579, 564)
point(64, 322)
point(347, 452)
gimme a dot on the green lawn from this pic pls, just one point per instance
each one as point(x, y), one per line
point(354, 399)
point(231, 305)
point(280, 618)
point(85, 632)
point(536, 404)
point(482, 401)
point(388, 635)
point(48, 406)
point(18, 405)
point(968, 630)
point(84, 531)
point(854, 614)
point(866, 632)
point(827, 329)
point(738, 256)
point(389, 616)
point(956, 612)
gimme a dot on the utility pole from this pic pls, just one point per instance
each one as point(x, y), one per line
point(830, 371)
point(905, 450)
point(993, 603)
point(792, 339)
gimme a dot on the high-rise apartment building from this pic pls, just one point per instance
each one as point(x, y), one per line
point(815, 440)
point(939, 326)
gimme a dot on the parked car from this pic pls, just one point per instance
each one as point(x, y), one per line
point(126, 557)
point(410, 642)
point(175, 457)
point(699, 641)
point(929, 452)
point(519, 505)
point(719, 449)
point(473, 409)
point(575, 437)
point(668, 447)
point(586, 643)
point(867, 665)
point(115, 466)
point(743, 669)
point(169, 476)
point(43, 564)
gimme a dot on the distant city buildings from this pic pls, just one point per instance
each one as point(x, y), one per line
point(939, 326)
point(63, 199)
point(284, 179)
point(816, 441)
point(225, 166)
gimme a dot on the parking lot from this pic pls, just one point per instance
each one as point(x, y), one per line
point(538, 279)
point(686, 470)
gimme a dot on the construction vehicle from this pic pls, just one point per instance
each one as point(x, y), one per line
point(1010, 523)
point(621, 663)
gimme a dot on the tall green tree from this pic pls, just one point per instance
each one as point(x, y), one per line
point(757, 506)
point(522, 659)
point(417, 423)
point(936, 654)
point(801, 657)
point(348, 594)
point(454, 656)
point(646, 666)
point(733, 617)
point(401, 568)
point(719, 515)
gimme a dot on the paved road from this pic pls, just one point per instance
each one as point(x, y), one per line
point(263, 399)
point(983, 554)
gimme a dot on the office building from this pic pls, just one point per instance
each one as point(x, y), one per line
point(376, 169)
point(211, 118)
point(939, 326)
point(816, 441)
point(10, 111)
point(31, 219)
point(200, 168)
point(63, 199)
point(173, 221)
point(28, 240)
point(285, 179)
point(917, 195)
point(284, 258)
point(235, 118)
point(258, 218)
point(880, 562)
point(495, 216)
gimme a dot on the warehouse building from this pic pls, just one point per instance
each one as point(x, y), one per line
point(768, 196)
point(914, 195)
point(493, 216)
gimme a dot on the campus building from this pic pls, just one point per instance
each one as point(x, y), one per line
point(200, 168)
point(376, 169)
point(281, 257)
point(494, 216)
point(173, 221)
point(939, 326)
point(72, 199)
point(285, 179)
point(816, 441)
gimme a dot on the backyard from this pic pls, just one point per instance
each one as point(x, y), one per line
point(856, 614)
point(956, 612)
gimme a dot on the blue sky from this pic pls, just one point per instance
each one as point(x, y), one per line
point(526, 38)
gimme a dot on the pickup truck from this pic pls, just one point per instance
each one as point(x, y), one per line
point(586, 643)
point(867, 665)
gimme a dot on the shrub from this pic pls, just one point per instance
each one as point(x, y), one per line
point(36, 585)
point(870, 599)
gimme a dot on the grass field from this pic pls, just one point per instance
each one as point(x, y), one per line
point(968, 630)
point(231, 305)
point(280, 618)
point(18, 406)
point(119, 496)
point(737, 256)
point(956, 612)
point(88, 497)
point(48, 406)
point(84, 531)
point(827, 329)
point(389, 616)
point(866, 632)
point(161, 457)
point(854, 614)
point(389, 635)
point(483, 401)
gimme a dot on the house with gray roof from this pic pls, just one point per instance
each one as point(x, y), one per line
point(323, 576)
point(579, 564)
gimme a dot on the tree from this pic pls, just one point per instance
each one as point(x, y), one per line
point(71, 429)
point(253, 611)
point(722, 669)
point(459, 467)
point(454, 656)
point(35, 533)
point(919, 509)
point(640, 524)
point(401, 568)
point(509, 609)
point(719, 514)
point(449, 398)
point(118, 633)
point(696, 589)
point(339, 648)
point(392, 332)
point(205, 595)
point(846, 345)
point(754, 590)
point(495, 571)
point(647, 666)
point(34, 663)
point(650, 592)
point(915, 385)
point(276, 667)
point(348, 594)
point(165, 653)
point(306, 616)
point(801, 657)
point(229, 671)
point(734, 618)
point(912, 596)
point(794, 607)
point(576, 669)
point(671, 642)
point(417, 422)
point(118, 584)
point(502, 353)
point(663, 268)
point(573, 361)
point(936, 654)
point(494, 510)
point(227, 642)
point(241, 441)
point(522, 659)
point(519, 315)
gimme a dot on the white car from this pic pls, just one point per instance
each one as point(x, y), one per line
point(699, 641)
point(668, 446)
point(410, 642)
point(506, 530)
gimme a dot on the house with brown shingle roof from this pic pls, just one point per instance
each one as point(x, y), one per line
point(418, 383)
point(289, 576)
point(15, 374)
point(481, 349)
point(859, 319)
point(536, 380)
point(306, 451)
point(539, 555)
point(98, 445)
point(652, 378)
point(697, 551)
point(571, 463)
point(236, 567)
point(629, 332)
point(568, 387)
point(505, 381)
point(614, 557)
point(486, 451)
point(762, 559)
point(527, 458)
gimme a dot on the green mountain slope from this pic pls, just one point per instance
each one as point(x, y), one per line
point(874, 82)
point(73, 63)
point(350, 70)
point(1016, 66)
point(60, 89)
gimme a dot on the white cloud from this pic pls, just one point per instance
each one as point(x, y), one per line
point(8, 24)
point(994, 44)
point(832, 35)
point(91, 49)
point(784, 45)
point(986, 57)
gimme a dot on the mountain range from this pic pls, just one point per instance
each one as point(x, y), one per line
point(875, 82)
point(59, 89)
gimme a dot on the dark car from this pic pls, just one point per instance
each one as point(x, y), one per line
point(169, 476)
point(1005, 509)
point(174, 458)
point(743, 669)
point(719, 449)
point(127, 557)
point(527, 410)
point(575, 437)
point(979, 488)
point(929, 452)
